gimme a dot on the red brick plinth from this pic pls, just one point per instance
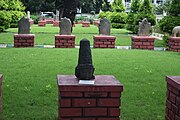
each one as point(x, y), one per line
point(79, 22)
point(173, 98)
point(31, 22)
point(100, 101)
point(96, 23)
point(102, 41)
point(65, 41)
point(24, 40)
point(1, 78)
point(56, 23)
point(42, 23)
point(142, 42)
point(174, 44)
point(49, 20)
point(85, 24)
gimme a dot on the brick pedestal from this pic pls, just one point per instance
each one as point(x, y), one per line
point(79, 22)
point(31, 22)
point(1, 77)
point(101, 41)
point(49, 20)
point(142, 42)
point(173, 98)
point(42, 23)
point(96, 23)
point(100, 101)
point(56, 23)
point(24, 40)
point(174, 44)
point(65, 41)
point(85, 24)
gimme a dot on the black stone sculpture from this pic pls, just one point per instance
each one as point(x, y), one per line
point(84, 69)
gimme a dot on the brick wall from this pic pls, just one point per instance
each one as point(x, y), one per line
point(1, 77)
point(142, 42)
point(49, 20)
point(91, 102)
point(174, 44)
point(65, 41)
point(85, 24)
point(104, 41)
point(56, 23)
point(173, 98)
point(24, 40)
point(42, 23)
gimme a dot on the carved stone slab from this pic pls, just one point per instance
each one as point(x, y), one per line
point(24, 26)
point(104, 27)
point(144, 28)
point(65, 26)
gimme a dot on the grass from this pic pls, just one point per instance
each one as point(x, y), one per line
point(30, 85)
point(45, 35)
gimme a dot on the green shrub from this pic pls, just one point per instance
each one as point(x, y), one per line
point(165, 39)
point(35, 18)
point(130, 21)
point(168, 23)
point(105, 15)
point(5, 19)
point(16, 16)
point(118, 20)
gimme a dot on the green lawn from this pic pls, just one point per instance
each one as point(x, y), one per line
point(45, 35)
point(30, 86)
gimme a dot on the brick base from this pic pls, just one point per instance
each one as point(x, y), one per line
point(31, 22)
point(24, 40)
point(49, 20)
point(1, 78)
point(85, 24)
point(173, 98)
point(56, 23)
point(42, 23)
point(142, 42)
point(96, 23)
point(79, 22)
point(91, 102)
point(65, 41)
point(104, 41)
point(174, 44)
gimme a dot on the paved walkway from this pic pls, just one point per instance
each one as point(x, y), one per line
point(52, 46)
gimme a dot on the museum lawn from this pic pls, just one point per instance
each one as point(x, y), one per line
point(30, 87)
point(45, 35)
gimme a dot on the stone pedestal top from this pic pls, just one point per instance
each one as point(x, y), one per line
point(22, 35)
point(65, 36)
point(174, 81)
point(143, 37)
point(106, 82)
point(104, 36)
point(1, 77)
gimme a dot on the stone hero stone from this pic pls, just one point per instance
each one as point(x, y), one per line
point(84, 69)
point(24, 26)
point(144, 28)
point(65, 26)
point(104, 27)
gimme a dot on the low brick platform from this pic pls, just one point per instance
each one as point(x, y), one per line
point(24, 40)
point(42, 23)
point(85, 24)
point(96, 23)
point(56, 23)
point(31, 22)
point(100, 101)
point(173, 98)
point(49, 20)
point(1, 78)
point(65, 41)
point(142, 42)
point(79, 22)
point(102, 41)
point(174, 44)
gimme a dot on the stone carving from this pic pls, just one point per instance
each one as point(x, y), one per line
point(144, 28)
point(24, 26)
point(57, 15)
point(65, 26)
point(104, 27)
point(28, 15)
point(84, 69)
point(176, 31)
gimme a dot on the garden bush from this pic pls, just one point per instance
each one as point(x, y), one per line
point(16, 16)
point(5, 19)
point(105, 14)
point(35, 18)
point(118, 20)
point(168, 23)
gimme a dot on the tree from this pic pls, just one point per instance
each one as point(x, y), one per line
point(163, 7)
point(118, 6)
point(106, 6)
point(132, 14)
point(175, 8)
